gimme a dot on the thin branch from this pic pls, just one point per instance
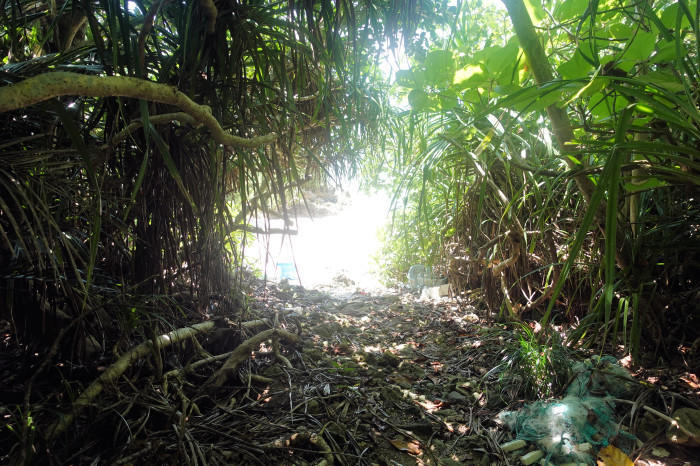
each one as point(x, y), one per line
point(143, 34)
point(242, 352)
point(163, 118)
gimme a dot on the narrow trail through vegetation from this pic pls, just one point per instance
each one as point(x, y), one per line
point(368, 379)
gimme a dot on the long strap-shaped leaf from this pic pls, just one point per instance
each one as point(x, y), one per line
point(613, 187)
point(609, 177)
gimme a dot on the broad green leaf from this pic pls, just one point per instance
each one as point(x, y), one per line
point(590, 48)
point(510, 74)
point(669, 15)
point(447, 99)
point(439, 68)
point(496, 60)
point(620, 64)
point(570, 9)
point(419, 100)
point(577, 67)
point(534, 8)
point(508, 89)
point(603, 107)
point(405, 78)
point(664, 80)
point(471, 95)
point(666, 52)
point(621, 31)
point(595, 85)
point(529, 99)
point(468, 76)
point(641, 47)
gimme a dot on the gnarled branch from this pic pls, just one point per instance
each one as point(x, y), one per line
point(49, 85)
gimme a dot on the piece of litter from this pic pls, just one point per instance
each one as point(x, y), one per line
point(531, 457)
point(513, 445)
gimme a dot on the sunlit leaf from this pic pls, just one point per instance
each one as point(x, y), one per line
point(613, 456)
point(621, 31)
point(439, 68)
point(412, 446)
point(497, 60)
point(570, 9)
point(534, 8)
point(468, 75)
point(419, 100)
point(648, 183)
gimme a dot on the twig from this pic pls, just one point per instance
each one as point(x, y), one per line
point(661, 415)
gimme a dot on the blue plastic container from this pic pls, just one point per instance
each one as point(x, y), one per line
point(286, 270)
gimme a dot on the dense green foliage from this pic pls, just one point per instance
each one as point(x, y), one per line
point(554, 169)
point(486, 174)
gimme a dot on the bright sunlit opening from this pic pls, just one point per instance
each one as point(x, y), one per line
point(333, 249)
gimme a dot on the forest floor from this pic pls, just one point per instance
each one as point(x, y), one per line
point(375, 379)
point(391, 379)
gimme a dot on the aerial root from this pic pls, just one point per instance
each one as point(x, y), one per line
point(113, 372)
point(242, 352)
point(46, 86)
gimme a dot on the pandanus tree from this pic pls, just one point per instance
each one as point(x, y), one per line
point(139, 139)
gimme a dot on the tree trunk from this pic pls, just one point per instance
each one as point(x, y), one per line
point(561, 125)
point(541, 69)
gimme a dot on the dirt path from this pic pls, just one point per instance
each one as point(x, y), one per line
point(390, 379)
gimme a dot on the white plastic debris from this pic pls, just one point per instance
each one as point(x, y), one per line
point(434, 292)
point(420, 275)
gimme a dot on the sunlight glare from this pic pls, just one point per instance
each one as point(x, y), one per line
point(336, 246)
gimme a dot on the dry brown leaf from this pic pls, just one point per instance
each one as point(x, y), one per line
point(411, 447)
point(613, 456)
